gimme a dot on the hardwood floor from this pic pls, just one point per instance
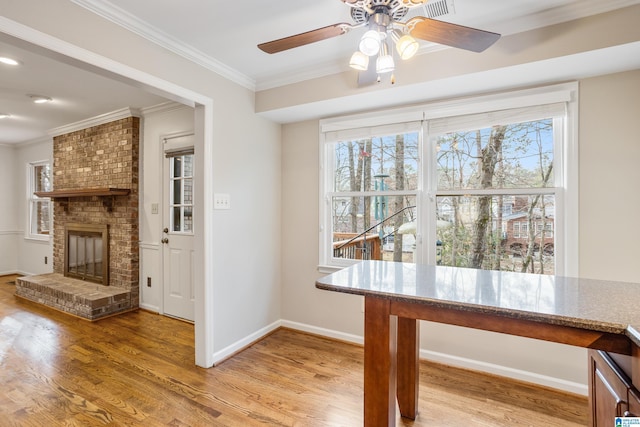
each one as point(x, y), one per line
point(138, 369)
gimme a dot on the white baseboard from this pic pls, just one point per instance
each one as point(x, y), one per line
point(460, 362)
point(505, 371)
point(230, 350)
point(323, 332)
point(19, 273)
point(149, 307)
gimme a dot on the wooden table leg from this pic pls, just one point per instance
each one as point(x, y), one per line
point(408, 366)
point(379, 364)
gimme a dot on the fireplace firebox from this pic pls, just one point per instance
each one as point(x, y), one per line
point(86, 252)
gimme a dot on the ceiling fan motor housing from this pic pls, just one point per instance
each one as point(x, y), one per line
point(378, 13)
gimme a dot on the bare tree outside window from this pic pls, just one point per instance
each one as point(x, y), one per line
point(39, 207)
point(375, 182)
point(493, 212)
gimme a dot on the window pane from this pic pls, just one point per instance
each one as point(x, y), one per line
point(380, 163)
point(177, 166)
point(40, 216)
point(390, 221)
point(188, 220)
point(177, 219)
point(176, 197)
point(517, 155)
point(188, 191)
point(42, 178)
point(497, 232)
point(188, 165)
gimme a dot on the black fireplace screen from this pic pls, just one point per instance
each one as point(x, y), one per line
point(86, 252)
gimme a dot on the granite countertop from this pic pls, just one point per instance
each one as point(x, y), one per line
point(598, 305)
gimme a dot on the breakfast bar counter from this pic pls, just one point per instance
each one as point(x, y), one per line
point(598, 315)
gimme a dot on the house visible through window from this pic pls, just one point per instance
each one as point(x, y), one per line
point(467, 186)
point(39, 207)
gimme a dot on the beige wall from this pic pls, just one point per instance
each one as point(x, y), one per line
point(609, 176)
point(10, 233)
point(609, 154)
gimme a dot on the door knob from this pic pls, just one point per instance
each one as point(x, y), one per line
point(165, 240)
point(166, 230)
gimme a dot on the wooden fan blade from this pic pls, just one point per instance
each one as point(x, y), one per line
point(451, 34)
point(302, 39)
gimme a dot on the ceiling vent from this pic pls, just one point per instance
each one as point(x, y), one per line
point(433, 9)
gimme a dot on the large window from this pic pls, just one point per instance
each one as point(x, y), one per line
point(39, 179)
point(487, 184)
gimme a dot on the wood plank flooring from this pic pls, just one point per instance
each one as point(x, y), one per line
point(137, 369)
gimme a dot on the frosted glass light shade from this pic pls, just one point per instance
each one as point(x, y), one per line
point(384, 64)
point(370, 43)
point(407, 46)
point(359, 61)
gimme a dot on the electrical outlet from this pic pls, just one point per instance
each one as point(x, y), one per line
point(46, 260)
point(148, 282)
point(221, 201)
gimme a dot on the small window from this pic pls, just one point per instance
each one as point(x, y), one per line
point(39, 207)
point(181, 193)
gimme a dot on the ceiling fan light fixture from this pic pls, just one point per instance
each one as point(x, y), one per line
point(385, 63)
point(359, 61)
point(370, 43)
point(8, 61)
point(407, 46)
point(39, 99)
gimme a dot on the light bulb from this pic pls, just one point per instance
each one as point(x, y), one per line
point(384, 63)
point(359, 61)
point(8, 61)
point(370, 43)
point(39, 99)
point(407, 46)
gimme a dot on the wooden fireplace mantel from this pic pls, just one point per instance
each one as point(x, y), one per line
point(83, 192)
point(107, 194)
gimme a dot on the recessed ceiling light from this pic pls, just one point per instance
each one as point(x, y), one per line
point(4, 115)
point(39, 99)
point(8, 61)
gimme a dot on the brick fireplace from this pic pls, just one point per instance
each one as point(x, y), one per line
point(95, 181)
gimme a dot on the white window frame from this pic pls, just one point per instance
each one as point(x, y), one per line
point(565, 166)
point(33, 200)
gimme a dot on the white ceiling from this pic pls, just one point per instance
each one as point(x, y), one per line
point(222, 36)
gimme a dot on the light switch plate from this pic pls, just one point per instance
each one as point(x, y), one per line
point(221, 201)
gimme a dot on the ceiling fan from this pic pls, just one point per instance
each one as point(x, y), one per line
point(386, 24)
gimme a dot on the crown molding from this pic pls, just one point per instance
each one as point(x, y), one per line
point(165, 107)
point(120, 17)
point(123, 113)
point(109, 11)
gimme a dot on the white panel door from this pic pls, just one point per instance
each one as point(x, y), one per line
point(177, 236)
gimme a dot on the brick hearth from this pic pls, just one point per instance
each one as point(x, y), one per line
point(87, 300)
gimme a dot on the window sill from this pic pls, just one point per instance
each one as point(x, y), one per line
point(328, 269)
point(38, 239)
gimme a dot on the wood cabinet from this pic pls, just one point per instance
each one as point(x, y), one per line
point(611, 393)
point(634, 403)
